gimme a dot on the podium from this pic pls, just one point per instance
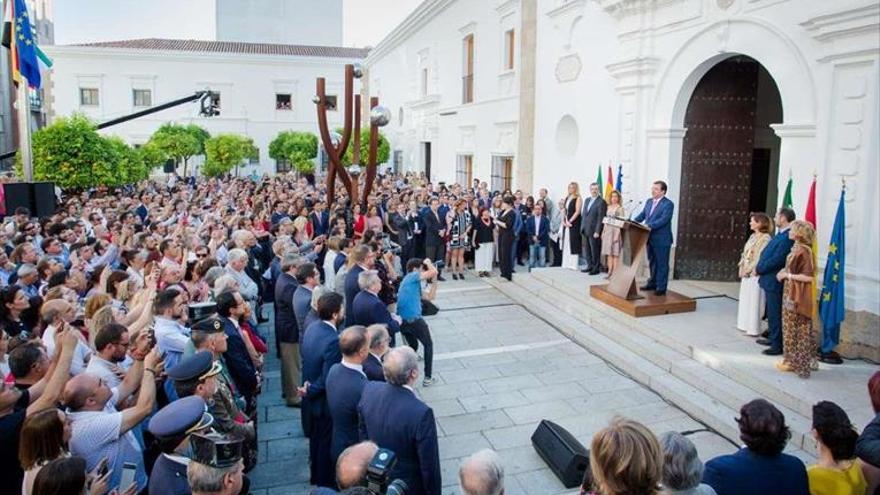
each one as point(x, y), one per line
point(622, 291)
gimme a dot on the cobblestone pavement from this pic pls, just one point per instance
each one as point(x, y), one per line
point(500, 370)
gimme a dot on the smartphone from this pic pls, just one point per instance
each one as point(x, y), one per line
point(103, 467)
point(128, 472)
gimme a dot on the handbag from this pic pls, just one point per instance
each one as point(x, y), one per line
point(429, 308)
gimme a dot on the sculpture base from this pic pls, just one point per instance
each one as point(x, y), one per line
point(648, 304)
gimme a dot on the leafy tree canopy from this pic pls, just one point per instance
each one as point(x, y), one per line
point(224, 152)
point(297, 148)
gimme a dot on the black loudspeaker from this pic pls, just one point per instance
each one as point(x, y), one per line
point(169, 167)
point(44, 199)
point(565, 456)
point(18, 194)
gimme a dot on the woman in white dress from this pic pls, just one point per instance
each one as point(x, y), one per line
point(570, 240)
point(751, 297)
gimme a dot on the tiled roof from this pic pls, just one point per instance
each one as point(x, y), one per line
point(232, 47)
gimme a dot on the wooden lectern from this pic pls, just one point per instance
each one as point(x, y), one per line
point(622, 291)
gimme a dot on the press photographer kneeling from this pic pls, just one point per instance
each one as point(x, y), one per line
point(410, 299)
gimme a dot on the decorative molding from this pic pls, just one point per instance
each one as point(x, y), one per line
point(670, 133)
point(845, 23)
point(634, 73)
point(425, 101)
point(794, 130)
point(565, 6)
point(620, 9)
point(505, 7)
point(568, 68)
point(468, 28)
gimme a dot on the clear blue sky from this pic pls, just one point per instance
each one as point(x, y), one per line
point(366, 22)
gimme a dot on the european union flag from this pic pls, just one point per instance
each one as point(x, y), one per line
point(619, 185)
point(831, 307)
point(26, 45)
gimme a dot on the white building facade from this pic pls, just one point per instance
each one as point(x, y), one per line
point(722, 99)
point(263, 88)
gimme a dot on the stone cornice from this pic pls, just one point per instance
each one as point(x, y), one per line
point(505, 7)
point(668, 133)
point(794, 130)
point(634, 72)
point(422, 15)
point(843, 23)
point(625, 8)
point(566, 6)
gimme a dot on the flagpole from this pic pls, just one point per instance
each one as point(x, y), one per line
point(24, 131)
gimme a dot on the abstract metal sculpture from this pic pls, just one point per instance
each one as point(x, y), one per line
point(335, 149)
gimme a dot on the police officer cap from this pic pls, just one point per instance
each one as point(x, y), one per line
point(209, 325)
point(181, 418)
point(200, 365)
point(215, 450)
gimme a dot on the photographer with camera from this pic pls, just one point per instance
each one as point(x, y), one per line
point(409, 308)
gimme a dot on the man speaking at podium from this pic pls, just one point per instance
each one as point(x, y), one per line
point(657, 215)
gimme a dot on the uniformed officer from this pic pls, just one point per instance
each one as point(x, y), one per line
point(216, 457)
point(172, 426)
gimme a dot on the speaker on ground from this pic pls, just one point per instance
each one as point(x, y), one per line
point(565, 456)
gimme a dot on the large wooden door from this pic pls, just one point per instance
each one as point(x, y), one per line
point(716, 172)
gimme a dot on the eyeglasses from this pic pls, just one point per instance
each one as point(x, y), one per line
point(201, 255)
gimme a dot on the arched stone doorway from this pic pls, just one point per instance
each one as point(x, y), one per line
point(729, 166)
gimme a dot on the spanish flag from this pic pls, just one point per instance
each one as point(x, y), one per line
point(810, 216)
point(609, 186)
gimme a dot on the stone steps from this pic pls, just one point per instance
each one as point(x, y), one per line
point(674, 372)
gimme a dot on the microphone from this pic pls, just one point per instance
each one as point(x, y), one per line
point(629, 217)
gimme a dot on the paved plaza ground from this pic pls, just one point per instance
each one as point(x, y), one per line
point(500, 370)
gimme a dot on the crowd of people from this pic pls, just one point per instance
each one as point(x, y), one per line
point(134, 335)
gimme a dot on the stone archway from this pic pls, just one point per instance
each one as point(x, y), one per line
point(729, 166)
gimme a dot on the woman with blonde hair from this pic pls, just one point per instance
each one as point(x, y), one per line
point(626, 459)
point(612, 239)
point(751, 297)
point(570, 239)
point(798, 340)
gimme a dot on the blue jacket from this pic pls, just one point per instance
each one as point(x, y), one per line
point(350, 290)
point(344, 388)
point(543, 233)
point(302, 303)
point(285, 321)
point(368, 309)
point(659, 220)
point(373, 369)
point(238, 361)
point(339, 261)
point(320, 223)
point(393, 417)
point(745, 472)
point(320, 351)
point(772, 260)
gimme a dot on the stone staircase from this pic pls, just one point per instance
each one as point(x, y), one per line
point(693, 378)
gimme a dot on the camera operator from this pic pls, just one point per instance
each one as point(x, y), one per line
point(409, 308)
point(351, 467)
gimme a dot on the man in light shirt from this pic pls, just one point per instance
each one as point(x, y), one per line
point(172, 336)
point(60, 313)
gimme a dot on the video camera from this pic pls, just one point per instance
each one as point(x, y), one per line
point(379, 472)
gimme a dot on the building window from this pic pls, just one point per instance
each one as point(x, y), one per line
point(400, 117)
point(467, 79)
point(88, 97)
point(397, 161)
point(424, 82)
point(282, 166)
point(330, 102)
point(283, 101)
point(254, 159)
point(509, 49)
point(464, 169)
point(502, 173)
point(142, 97)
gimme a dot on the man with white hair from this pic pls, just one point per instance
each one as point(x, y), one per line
point(247, 287)
point(393, 417)
point(28, 279)
point(367, 309)
point(481, 474)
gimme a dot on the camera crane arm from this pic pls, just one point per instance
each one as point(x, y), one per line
point(208, 109)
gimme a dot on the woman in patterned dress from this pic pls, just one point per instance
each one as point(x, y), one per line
point(798, 340)
point(459, 238)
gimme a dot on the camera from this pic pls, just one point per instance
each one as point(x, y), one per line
point(379, 472)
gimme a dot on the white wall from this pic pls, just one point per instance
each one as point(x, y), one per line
point(294, 22)
point(432, 38)
point(247, 86)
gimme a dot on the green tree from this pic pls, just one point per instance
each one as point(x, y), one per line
point(383, 152)
point(180, 142)
point(297, 148)
point(225, 152)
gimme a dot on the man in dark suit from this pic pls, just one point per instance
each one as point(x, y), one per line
point(345, 383)
point(591, 228)
point(771, 261)
point(367, 309)
point(379, 340)
point(320, 219)
point(363, 258)
point(435, 233)
point(286, 330)
point(759, 467)
point(393, 417)
point(402, 230)
point(320, 351)
point(506, 235)
point(308, 278)
point(231, 307)
point(657, 215)
point(538, 231)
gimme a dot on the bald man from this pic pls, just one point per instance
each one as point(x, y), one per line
point(345, 384)
point(482, 474)
point(58, 313)
point(99, 430)
point(351, 468)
